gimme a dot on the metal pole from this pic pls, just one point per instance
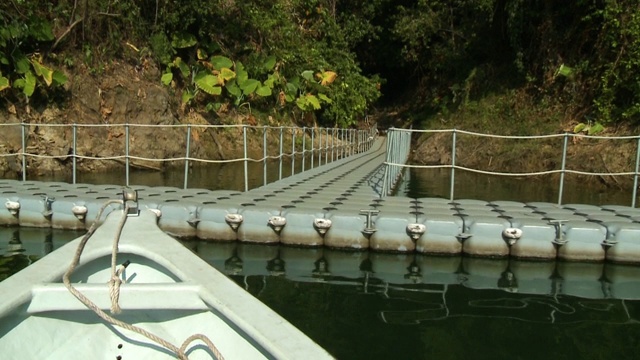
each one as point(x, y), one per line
point(304, 145)
point(280, 156)
point(326, 147)
point(320, 147)
point(186, 158)
point(264, 155)
point(24, 153)
point(75, 145)
point(313, 147)
point(635, 176)
point(333, 137)
point(126, 152)
point(293, 151)
point(453, 166)
point(564, 164)
point(246, 170)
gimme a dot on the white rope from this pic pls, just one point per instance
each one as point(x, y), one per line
point(114, 290)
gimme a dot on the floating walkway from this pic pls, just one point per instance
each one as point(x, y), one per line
point(339, 205)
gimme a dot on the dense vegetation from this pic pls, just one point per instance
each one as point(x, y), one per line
point(333, 59)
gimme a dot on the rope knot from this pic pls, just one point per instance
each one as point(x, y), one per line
point(114, 293)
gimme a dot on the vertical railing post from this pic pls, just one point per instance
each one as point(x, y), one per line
point(186, 157)
point(635, 176)
point(280, 156)
point(304, 146)
point(453, 166)
point(126, 153)
point(326, 147)
point(75, 151)
point(564, 165)
point(313, 146)
point(24, 152)
point(264, 155)
point(333, 138)
point(246, 156)
point(293, 150)
point(319, 146)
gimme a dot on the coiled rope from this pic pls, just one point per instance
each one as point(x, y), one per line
point(114, 290)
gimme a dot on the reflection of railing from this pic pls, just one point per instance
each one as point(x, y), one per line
point(399, 142)
point(317, 144)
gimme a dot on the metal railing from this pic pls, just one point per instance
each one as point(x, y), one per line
point(399, 140)
point(319, 146)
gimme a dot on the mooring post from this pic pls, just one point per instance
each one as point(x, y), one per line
point(564, 164)
point(186, 157)
point(635, 176)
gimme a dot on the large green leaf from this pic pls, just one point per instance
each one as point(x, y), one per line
point(187, 96)
point(59, 78)
point(184, 68)
point(4, 83)
point(263, 91)
point(233, 88)
point(22, 64)
point(249, 86)
point(227, 74)
point(241, 74)
point(43, 71)
point(29, 83)
point(269, 63)
point(167, 78)
point(313, 101)
point(208, 83)
point(324, 98)
point(183, 40)
point(308, 75)
point(219, 62)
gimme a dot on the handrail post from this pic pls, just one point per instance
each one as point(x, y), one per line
point(333, 137)
point(319, 146)
point(75, 145)
point(24, 152)
point(453, 166)
point(186, 158)
point(326, 147)
point(293, 151)
point(246, 170)
point(313, 146)
point(564, 165)
point(264, 155)
point(126, 153)
point(280, 156)
point(635, 176)
point(304, 146)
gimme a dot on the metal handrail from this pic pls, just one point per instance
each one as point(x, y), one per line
point(396, 163)
point(322, 141)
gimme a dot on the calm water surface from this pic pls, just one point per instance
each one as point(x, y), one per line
point(362, 305)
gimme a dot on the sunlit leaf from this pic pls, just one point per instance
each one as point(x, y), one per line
point(220, 62)
point(313, 101)
point(227, 74)
point(595, 129)
point(29, 83)
point(167, 78)
point(4, 83)
point(187, 96)
point(233, 89)
point(59, 78)
point(241, 74)
point(208, 83)
point(249, 86)
point(43, 71)
point(324, 98)
point(263, 91)
point(579, 128)
point(326, 77)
